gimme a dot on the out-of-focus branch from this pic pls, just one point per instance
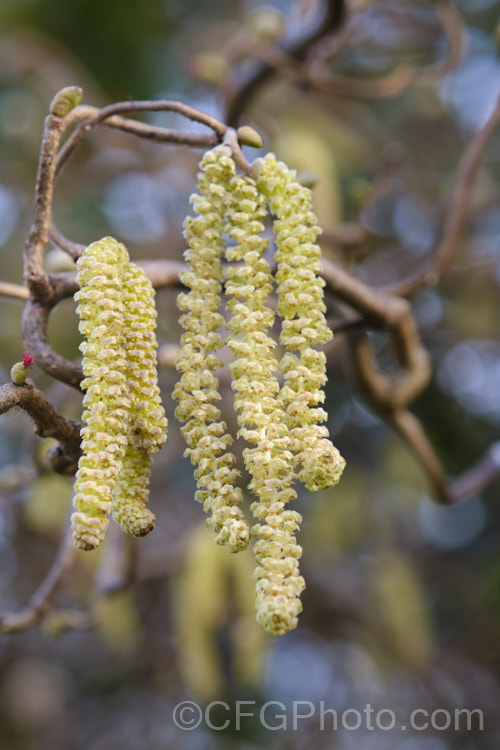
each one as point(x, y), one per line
point(480, 475)
point(163, 273)
point(472, 481)
point(375, 389)
point(314, 72)
point(239, 95)
point(431, 271)
point(16, 291)
point(347, 235)
point(390, 394)
point(370, 302)
point(317, 75)
point(41, 601)
point(453, 27)
point(331, 84)
point(409, 427)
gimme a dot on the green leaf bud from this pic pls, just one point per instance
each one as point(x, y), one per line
point(65, 100)
point(248, 136)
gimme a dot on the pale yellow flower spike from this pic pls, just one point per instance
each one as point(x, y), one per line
point(132, 493)
point(261, 416)
point(300, 304)
point(196, 391)
point(147, 429)
point(106, 400)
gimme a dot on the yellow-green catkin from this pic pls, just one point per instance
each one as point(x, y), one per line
point(260, 411)
point(204, 431)
point(106, 401)
point(301, 306)
point(147, 425)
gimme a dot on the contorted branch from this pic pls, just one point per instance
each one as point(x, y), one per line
point(394, 391)
point(64, 114)
point(35, 276)
point(48, 423)
point(390, 394)
point(100, 115)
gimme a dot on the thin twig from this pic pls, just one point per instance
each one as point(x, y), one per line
point(74, 249)
point(41, 601)
point(16, 291)
point(142, 129)
point(103, 114)
point(161, 135)
point(454, 29)
point(410, 429)
point(479, 476)
point(231, 140)
point(433, 268)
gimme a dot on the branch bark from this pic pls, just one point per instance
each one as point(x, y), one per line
point(48, 422)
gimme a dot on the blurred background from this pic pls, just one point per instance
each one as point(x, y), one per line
point(402, 605)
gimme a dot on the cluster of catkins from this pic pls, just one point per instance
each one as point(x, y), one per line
point(124, 421)
point(278, 402)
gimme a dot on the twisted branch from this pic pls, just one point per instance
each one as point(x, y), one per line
point(48, 423)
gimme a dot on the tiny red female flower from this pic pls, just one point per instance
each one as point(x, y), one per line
point(19, 371)
point(27, 360)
